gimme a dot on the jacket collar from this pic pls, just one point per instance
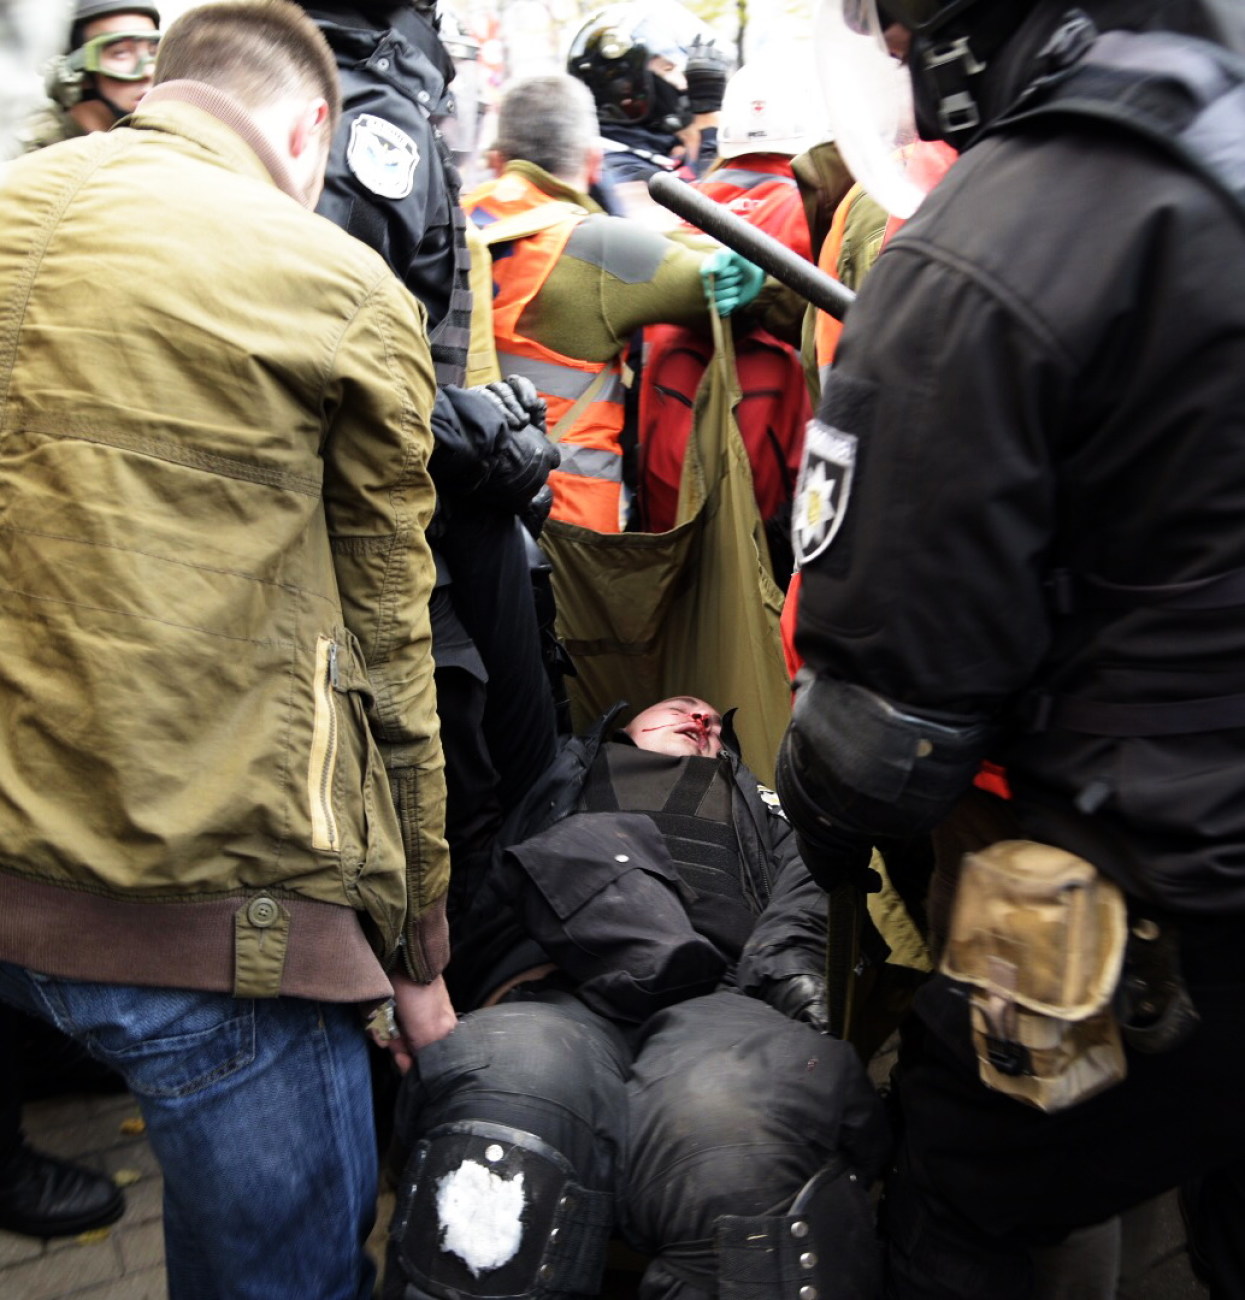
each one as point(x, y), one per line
point(549, 184)
point(218, 123)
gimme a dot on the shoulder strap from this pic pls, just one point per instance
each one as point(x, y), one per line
point(586, 398)
point(1185, 96)
point(520, 225)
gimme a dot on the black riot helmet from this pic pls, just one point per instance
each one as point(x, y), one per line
point(619, 53)
point(615, 68)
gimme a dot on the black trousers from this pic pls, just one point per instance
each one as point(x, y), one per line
point(720, 1106)
point(981, 1179)
point(494, 700)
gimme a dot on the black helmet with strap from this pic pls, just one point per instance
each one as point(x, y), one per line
point(615, 68)
point(87, 11)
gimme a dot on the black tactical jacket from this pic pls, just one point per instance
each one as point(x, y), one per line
point(786, 933)
point(1036, 501)
point(391, 180)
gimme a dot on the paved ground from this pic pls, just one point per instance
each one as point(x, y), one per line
point(126, 1262)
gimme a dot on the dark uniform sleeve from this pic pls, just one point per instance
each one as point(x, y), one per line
point(386, 186)
point(927, 503)
point(790, 934)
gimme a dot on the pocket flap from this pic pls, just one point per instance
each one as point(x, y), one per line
point(575, 859)
point(1038, 926)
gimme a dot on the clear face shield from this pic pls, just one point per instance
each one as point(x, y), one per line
point(868, 94)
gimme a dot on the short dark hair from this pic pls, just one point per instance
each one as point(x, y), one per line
point(256, 50)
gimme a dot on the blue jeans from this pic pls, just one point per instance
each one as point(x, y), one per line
point(260, 1115)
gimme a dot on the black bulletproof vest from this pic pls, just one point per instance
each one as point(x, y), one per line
point(690, 801)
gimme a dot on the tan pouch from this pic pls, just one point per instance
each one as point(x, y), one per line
point(1039, 935)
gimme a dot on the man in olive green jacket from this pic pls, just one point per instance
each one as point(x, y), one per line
point(221, 797)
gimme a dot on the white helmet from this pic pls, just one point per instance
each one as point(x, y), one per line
point(769, 108)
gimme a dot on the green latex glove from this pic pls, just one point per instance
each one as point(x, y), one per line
point(730, 281)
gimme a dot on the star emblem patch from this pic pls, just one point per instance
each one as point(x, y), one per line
point(823, 490)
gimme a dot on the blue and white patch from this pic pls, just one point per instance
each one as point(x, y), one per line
point(382, 156)
point(771, 800)
point(823, 490)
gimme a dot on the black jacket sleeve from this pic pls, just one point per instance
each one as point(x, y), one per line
point(466, 429)
point(790, 934)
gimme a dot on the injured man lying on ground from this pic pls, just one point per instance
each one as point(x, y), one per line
point(646, 1058)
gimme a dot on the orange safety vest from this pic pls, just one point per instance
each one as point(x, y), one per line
point(527, 232)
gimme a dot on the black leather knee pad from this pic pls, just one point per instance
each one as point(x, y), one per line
point(490, 1212)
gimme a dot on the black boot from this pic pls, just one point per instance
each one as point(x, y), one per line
point(41, 1196)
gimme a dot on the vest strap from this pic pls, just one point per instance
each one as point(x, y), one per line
point(581, 403)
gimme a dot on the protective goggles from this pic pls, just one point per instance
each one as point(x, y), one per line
point(124, 56)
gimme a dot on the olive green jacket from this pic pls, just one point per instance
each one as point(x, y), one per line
point(218, 740)
point(48, 124)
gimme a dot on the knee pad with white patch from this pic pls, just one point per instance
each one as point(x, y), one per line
point(491, 1212)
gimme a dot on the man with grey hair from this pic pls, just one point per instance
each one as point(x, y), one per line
point(221, 792)
point(573, 285)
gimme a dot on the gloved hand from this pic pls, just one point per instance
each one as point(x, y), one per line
point(523, 457)
point(517, 399)
point(800, 997)
point(730, 281)
point(534, 514)
point(838, 857)
point(706, 74)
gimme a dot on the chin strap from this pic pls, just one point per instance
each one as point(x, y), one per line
point(92, 95)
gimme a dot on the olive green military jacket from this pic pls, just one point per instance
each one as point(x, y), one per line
point(48, 124)
point(219, 757)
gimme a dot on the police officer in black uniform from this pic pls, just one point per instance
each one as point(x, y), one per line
point(649, 954)
point(645, 113)
point(392, 183)
point(1019, 519)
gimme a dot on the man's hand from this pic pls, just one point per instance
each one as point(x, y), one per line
point(706, 71)
point(423, 1013)
point(523, 456)
point(801, 997)
point(730, 281)
point(517, 399)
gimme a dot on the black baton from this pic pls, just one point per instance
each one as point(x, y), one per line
point(770, 255)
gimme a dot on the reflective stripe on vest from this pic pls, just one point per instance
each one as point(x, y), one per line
point(587, 490)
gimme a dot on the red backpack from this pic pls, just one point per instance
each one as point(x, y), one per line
point(772, 415)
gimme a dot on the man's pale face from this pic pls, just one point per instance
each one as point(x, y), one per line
point(680, 726)
point(126, 54)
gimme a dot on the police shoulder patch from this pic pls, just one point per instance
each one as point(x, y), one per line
point(382, 156)
point(770, 799)
point(823, 490)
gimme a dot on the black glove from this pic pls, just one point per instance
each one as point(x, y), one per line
point(706, 74)
point(837, 858)
point(534, 514)
point(517, 399)
point(800, 997)
point(833, 854)
point(523, 456)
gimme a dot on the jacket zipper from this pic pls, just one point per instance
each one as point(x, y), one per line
point(323, 761)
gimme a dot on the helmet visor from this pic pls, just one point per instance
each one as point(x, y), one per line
point(868, 96)
point(124, 56)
